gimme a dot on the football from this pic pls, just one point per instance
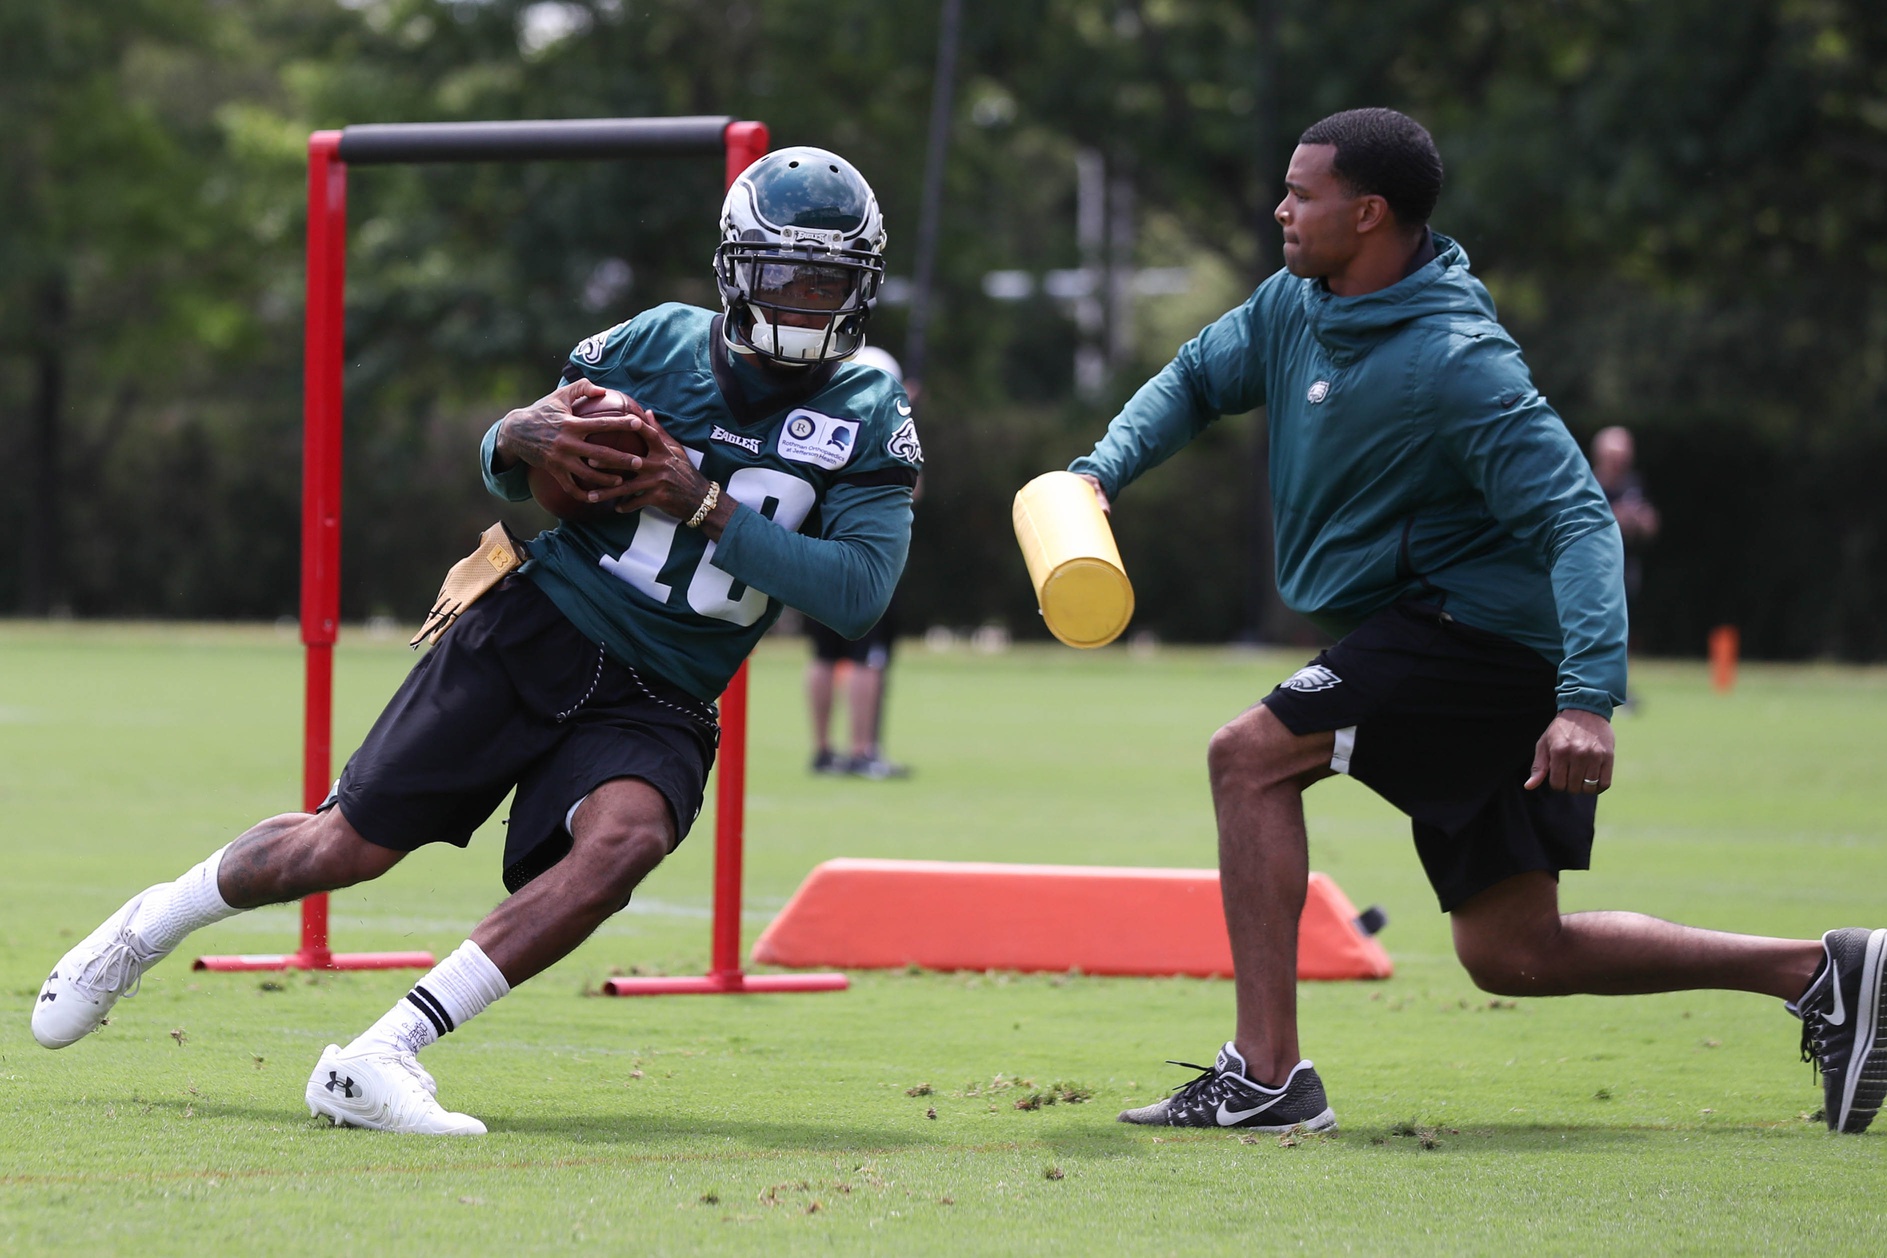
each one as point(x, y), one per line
point(544, 487)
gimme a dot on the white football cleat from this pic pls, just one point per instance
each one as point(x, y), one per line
point(108, 963)
point(383, 1089)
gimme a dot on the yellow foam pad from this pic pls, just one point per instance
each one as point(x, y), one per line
point(1080, 584)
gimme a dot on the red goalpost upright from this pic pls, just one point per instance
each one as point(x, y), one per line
point(329, 155)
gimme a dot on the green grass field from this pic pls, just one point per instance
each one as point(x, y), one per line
point(786, 1124)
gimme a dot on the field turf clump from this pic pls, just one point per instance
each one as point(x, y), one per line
point(918, 1112)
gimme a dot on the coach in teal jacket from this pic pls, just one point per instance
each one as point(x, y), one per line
point(1433, 513)
point(1411, 457)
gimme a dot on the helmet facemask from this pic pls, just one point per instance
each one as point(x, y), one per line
point(796, 306)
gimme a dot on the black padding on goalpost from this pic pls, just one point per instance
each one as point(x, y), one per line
point(565, 139)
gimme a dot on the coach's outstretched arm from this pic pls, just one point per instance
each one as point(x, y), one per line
point(1219, 372)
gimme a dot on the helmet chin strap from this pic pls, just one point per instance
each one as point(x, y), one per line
point(774, 364)
point(790, 346)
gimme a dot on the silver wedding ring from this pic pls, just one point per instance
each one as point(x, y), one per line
point(1591, 781)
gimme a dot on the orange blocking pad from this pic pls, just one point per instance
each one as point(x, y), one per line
point(968, 915)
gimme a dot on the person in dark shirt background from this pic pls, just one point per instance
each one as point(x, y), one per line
point(1613, 453)
point(866, 661)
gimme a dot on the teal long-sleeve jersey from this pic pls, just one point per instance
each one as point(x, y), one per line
point(1411, 458)
point(821, 464)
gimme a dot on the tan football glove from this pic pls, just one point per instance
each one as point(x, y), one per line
point(498, 555)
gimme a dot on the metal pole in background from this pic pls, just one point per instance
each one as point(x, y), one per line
point(322, 359)
point(942, 96)
point(1090, 305)
point(1120, 268)
point(321, 454)
point(1267, 619)
point(730, 815)
point(321, 497)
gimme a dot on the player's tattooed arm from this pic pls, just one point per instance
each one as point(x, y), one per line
point(669, 481)
point(529, 434)
point(547, 434)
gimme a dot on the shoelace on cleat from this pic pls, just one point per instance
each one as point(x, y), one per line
point(410, 1064)
point(412, 1067)
point(1206, 1073)
point(117, 969)
point(1812, 1043)
point(1198, 1093)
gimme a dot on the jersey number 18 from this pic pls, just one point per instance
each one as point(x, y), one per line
point(784, 499)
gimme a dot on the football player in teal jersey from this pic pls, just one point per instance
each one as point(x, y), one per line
point(775, 474)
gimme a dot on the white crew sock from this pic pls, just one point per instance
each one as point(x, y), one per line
point(171, 910)
point(456, 990)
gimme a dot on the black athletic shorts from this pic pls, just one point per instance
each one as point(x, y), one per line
point(1441, 720)
point(515, 696)
point(873, 650)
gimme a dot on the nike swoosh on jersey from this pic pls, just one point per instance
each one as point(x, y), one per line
point(1233, 1117)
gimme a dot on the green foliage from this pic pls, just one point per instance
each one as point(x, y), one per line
point(137, 314)
point(1679, 207)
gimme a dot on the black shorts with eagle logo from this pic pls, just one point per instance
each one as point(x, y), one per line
point(514, 696)
point(1441, 720)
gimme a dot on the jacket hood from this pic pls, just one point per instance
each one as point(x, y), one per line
point(1348, 326)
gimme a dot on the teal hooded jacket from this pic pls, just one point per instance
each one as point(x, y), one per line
point(1411, 459)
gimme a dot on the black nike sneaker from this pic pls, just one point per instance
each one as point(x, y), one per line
point(1844, 1026)
point(1223, 1097)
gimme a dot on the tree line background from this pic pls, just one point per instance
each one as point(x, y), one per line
point(1678, 205)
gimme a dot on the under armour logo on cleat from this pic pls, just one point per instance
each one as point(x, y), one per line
point(337, 1084)
point(46, 996)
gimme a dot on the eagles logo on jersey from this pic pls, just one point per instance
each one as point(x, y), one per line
point(905, 445)
point(591, 350)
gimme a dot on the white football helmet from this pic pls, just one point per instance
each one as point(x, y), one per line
point(800, 258)
point(872, 356)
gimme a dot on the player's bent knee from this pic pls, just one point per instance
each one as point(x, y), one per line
point(340, 857)
point(1256, 746)
point(1493, 974)
point(1237, 747)
point(1508, 937)
point(1507, 967)
point(641, 844)
point(627, 865)
point(615, 858)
